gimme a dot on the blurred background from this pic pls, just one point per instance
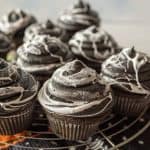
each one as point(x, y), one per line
point(127, 20)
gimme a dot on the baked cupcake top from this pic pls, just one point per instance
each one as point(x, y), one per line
point(74, 89)
point(17, 88)
point(79, 17)
point(129, 70)
point(47, 28)
point(5, 43)
point(15, 20)
point(93, 44)
point(43, 54)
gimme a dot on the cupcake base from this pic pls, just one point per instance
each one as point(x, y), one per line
point(20, 121)
point(75, 128)
point(129, 104)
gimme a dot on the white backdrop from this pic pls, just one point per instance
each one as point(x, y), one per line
point(127, 20)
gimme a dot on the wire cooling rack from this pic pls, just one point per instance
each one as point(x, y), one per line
point(115, 132)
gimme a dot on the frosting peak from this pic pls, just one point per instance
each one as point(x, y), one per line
point(82, 4)
point(75, 74)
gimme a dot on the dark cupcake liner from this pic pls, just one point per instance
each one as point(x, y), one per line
point(10, 125)
point(75, 128)
point(126, 105)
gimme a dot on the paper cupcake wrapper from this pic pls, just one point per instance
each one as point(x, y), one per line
point(16, 123)
point(72, 131)
point(72, 128)
point(127, 106)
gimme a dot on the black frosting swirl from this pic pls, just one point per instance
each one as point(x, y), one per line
point(74, 89)
point(15, 21)
point(17, 88)
point(79, 17)
point(42, 55)
point(93, 44)
point(47, 28)
point(129, 70)
point(5, 43)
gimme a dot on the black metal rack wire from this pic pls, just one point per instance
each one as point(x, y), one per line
point(115, 132)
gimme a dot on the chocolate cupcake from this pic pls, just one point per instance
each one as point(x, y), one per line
point(75, 101)
point(129, 75)
point(6, 45)
point(14, 23)
point(17, 92)
point(46, 28)
point(42, 56)
point(79, 17)
point(93, 46)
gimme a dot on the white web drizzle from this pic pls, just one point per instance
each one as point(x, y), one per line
point(40, 39)
point(93, 37)
point(136, 66)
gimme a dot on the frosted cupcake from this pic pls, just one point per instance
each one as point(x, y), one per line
point(17, 96)
point(14, 23)
point(42, 56)
point(75, 101)
point(45, 28)
point(79, 17)
point(93, 46)
point(129, 75)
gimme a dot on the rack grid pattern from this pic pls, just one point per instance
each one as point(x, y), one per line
point(114, 132)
